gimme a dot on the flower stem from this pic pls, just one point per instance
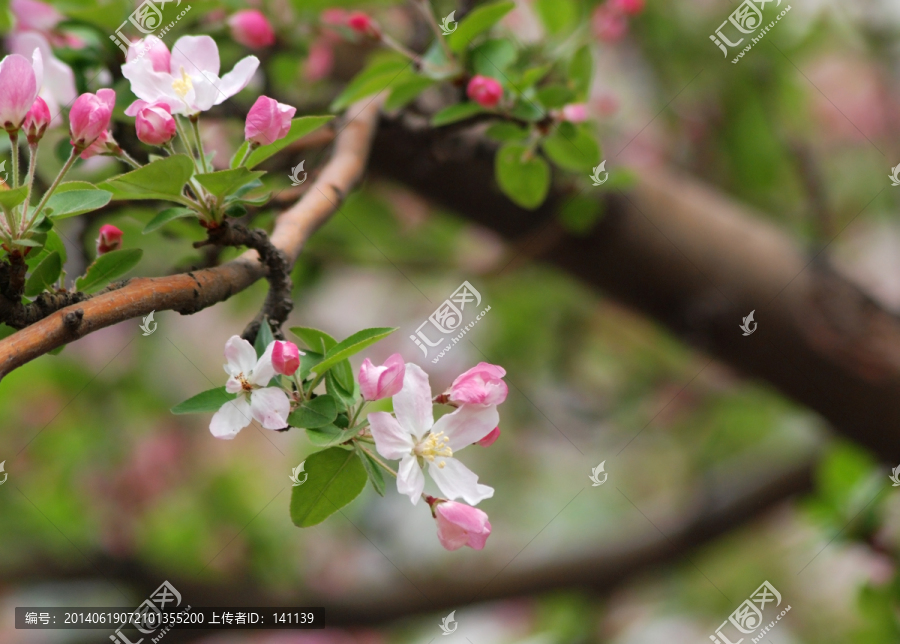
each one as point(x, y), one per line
point(32, 162)
point(127, 158)
point(14, 145)
point(425, 6)
point(186, 142)
point(358, 411)
point(396, 46)
point(378, 460)
point(43, 202)
point(195, 125)
point(250, 148)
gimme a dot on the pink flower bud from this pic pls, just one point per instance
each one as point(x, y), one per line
point(320, 60)
point(480, 385)
point(37, 120)
point(35, 16)
point(286, 357)
point(268, 121)
point(574, 113)
point(485, 91)
point(155, 49)
point(628, 7)
point(154, 124)
point(364, 24)
point(251, 29)
point(90, 116)
point(110, 239)
point(376, 383)
point(334, 17)
point(103, 144)
point(491, 438)
point(20, 81)
point(609, 24)
point(460, 525)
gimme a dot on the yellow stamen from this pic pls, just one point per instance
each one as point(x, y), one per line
point(434, 445)
point(184, 85)
point(246, 386)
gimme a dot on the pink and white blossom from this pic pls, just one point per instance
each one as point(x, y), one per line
point(154, 50)
point(268, 121)
point(491, 438)
point(192, 83)
point(286, 357)
point(252, 29)
point(20, 81)
point(90, 116)
point(248, 377)
point(385, 381)
point(481, 385)
point(36, 121)
point(416, 440)
point(154, 123)
point(58, 86)
point(110, 239)
point(460, 525)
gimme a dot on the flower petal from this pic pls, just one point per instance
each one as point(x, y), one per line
point(240, 355)
point(18, 89)
point(413, 404)
point(271, 407)
point(148, 84)
point(391, 440)
point(231, 418)
point(410, 479)
point(457, 481)
point(195, 54)
point(237, 79)
point(467, 425)
point(263, 370)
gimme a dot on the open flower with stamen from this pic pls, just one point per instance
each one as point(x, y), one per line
point(192, 83)
point(418, 441)
point(248, 378)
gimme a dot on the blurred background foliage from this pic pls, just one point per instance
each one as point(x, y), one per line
point(99, 468)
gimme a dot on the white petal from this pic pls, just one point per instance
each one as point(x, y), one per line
point(231, 418)
point(237, 79)
point(195, 54)
point(413, 404)
point(271, 407)
point(204, 93)
point(146, 83)
point(240, 355)
point(410, 479)
point(391, 440)
point(263, 370)
point(467, 425)
point(37, 64)
point(458, 482)
point(234, 386)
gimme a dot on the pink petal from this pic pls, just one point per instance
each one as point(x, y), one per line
point(391, 440)
point(18, 87)
point(271, 407)
point(240, 356)
point(195, 54)
point(457, 481)
point(467, 425)
point(237, 79)
point(263, 370)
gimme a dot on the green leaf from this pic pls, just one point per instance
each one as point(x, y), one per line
point(161, 179)
point(167, 215)
point(528, 110)
point(580, 213)
point(44, 275)
point(521, 175)
point(493, 57)
point(318, 412)
point(77, 202)
point(336, 477)
point(314, 338)
point(373, 470)
point(405, 92)
point(479, 20)
point(455, 113)
point(300, 127)
point(107, 267)
point(554, 96)
point(506, 132)
point(343, 373)
point(68, 186)
point(577, 153)
point(307, 361)
point(558, 16)
point(581, 71)
point(207, 401)
point(225, 182)
point(330, 435)
point(383, 71)
point(532, 76)
point(11, 198)
point(264, 338)
point(351, 345)
point(346, 398)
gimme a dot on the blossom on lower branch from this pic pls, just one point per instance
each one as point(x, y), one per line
point(414, 438)
point(248, 378)
point(459, 524)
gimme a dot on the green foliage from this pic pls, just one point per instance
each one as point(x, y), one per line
point(456, 112)
point(163, 179)
point(108, 267)
point(385, 70)
point(318, 412)
point(77, 202)
point(406, 92)
point(558, 16)
point(521, 175)
point(493, 58)
point(44, 275)
point(166, 216)
point(336, 477)
point(478, 21)
point(314, 338)
point(329, 435)
point(300, 127)
point(350, 346)
point(225, 182)
point(572, 148)
point(373, 469)
point(264, 338)
point(11, 198)
point(206, 401)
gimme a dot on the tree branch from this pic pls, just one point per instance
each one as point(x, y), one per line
point(190, 292)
